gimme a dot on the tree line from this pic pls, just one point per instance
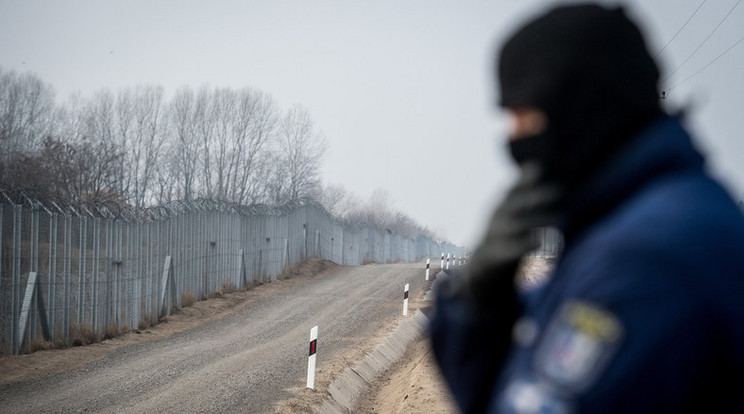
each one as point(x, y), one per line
point(139, 147)
point(136, 146)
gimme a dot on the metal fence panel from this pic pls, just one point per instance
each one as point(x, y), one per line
point(102, 269)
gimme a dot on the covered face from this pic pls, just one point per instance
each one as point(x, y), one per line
point(587, 69)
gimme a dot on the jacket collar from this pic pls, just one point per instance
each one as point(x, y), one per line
point(663, 147)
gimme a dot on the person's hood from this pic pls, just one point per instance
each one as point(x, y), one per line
point(589, 70)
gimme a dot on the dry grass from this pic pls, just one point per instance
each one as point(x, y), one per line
point(60, 343)
point(112, 331)
point(39, 344)
point(187, 299)
point(145, 322)
point(82, 335)
point(229, 287)
point(289, 271)
point(311, 266)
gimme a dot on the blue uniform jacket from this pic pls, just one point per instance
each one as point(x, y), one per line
point(644, 312)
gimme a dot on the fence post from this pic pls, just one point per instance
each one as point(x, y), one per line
point(33, 291)
point(95, 271)
point(83, 228)
point(317, 244)
point(286, 254)
point(167, 285)
point(52, 271)
point(242, 274)
point(108, 289)
point(1, 267)
point(34, 253)
point(304, 240)
point(205, 279)
point(67, 252)
point(118, 230)
point(16, 274)
point(109, 269)
point(266, 258)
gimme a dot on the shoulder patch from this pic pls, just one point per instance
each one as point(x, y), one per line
point(580, 341)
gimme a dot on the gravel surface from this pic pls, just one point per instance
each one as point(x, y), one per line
point(246, 362)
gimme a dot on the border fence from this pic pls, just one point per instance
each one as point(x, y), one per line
point(70, 268)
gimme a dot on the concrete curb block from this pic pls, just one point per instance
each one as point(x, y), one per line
point(345, 391)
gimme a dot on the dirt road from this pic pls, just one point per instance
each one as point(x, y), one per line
point(243, 363)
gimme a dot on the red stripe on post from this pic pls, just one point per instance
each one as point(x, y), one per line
point(405, 295)
point(313, 347)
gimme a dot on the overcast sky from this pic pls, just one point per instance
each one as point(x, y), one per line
point(402, 89)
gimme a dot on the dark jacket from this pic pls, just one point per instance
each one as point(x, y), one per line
point(645, 309)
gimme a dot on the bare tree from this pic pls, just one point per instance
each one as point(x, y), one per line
point(301, 151)
point(133, 146)
point(222, 145)
point(204, 131)
point(26, 110)
point(378, 210)
point(254, 124)
point(95, 177)
point(123, 129)
point(97, 140)
point(340, 202)
point(75, 171)
point(183, 146)
point(143, 150)
point(78, 157)
point(274, 172)
point(242, 122)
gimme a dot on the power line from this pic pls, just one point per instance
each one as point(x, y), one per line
point(703, 42)
point(709, 63)
point(681, 28)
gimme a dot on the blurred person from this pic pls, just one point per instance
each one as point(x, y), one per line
point(644, 312)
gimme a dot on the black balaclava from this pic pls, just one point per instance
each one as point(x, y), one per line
point(588, 69)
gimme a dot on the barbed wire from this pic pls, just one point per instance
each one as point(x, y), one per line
point(110, 209)
point(119, 210)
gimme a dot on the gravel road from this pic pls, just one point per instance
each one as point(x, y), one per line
point(243, 363)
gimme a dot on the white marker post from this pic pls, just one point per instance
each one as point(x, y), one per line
point(441, 266)
point(448, 261)
point(405, 300)
point(427, 268)
point(311, 358)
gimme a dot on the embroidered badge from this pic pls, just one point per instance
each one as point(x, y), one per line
point(580, 341)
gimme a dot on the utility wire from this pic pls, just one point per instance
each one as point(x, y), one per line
point(681, 28)
point(669, 75)
point(709, 63)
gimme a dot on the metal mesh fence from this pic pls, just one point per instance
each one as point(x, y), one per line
point(86, 269)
